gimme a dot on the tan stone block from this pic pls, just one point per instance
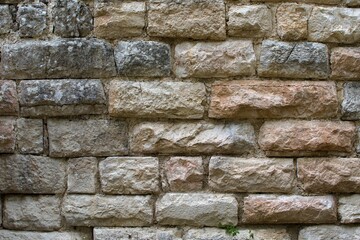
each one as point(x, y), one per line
point(349, 209)
point(82, 175)
point(345, 63)
point(29, 135)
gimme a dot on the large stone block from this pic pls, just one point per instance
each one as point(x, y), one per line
point(108, 211)
point(197, 209)
point(230, 174)
point(78, 138)
point(306, 138)
point(273, 99)
point(351, 103)
point(32, 19)
point(349, 209)
point(345, 63)
point(61, 97)
point(32, 174)
point(7, 135)
point(215, 59)
point(8, 98)
point(197, 19)
point(192, 138)
point(30, 135)
point(156, 99)
point(27, 235)
point(82, 175)
point(137, 233)
point(6, 21)
point(277, 209)
point(326, 232)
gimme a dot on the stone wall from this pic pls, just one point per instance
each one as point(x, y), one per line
point(168, 119)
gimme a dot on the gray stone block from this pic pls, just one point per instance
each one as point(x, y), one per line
point(5, 19)
point(351, 103)
point(32, 19)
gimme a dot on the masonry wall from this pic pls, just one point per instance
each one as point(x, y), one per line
point(170, 119)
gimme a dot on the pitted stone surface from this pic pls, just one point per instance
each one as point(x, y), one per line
point(326, 232)
point(6, 21)
point(27, 235)
point(349, 209)
point(30, 135)
point(351, 102)
point(82, 175)
point(8, 98)
point(345, 63)
point(7, 135)
point(32, 19)
point(137, 233)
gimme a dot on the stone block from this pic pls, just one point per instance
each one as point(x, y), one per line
point(345, 63)
point(82, 175)
point(8, 98)
point(32, 19)
point(6, 21)
point(27, 235)
point(349, 209)
point(7, 135)
point(326, 232)
point(30, 135)
point(137, 233)
point(351, 103)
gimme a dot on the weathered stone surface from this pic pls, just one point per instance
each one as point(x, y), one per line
point(5, 19)
point(273, 99)
point(156, 99)
point(197, 209)
point(349, 209)
point(78, 138)
point(182, 174)
point(330, 2)
point(250, 20)
point(8, 98)
point(7, 135)
point(326, 232)
point(352, 3)
point(77, 58)
point(32, 212)
point(61, 97)
point(230, 174)
point(293, 60)
point(192, 137)
point(330, 24)
point(31, 174)
point(306, 138)
point(292, 21)
point(24, 235)
point(82, 175)
point(72, 18)
point(321, 175)
point(215, 59)
point(275, 209)
point(108, 211)
point(129, 175)
point(201, 19)
point(345, 63)
point(137, 233)
point(116, 19)
point(143, 58)
point(32, 19)
point(29, 135)
point(351, 102)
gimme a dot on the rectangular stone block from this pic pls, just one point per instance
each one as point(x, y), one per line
point(156, 99)
point(7, 135)
point(30, 135)
point(349, 209)
point(137, 233)
point(273, 99)
point(306, 138)
point(351, 103)
point(107, 211)
point(82, 175)
point(8, 98)
point(328, 175)
point(215, 59)
point(32, 212)
point(32, 19)
point(345, 63)
point(334, 24)
point(32, 174)
point(192, 138)
point(352, 3)
point(294, 60)
point(192, 209)
point(79, 138)
point(61, 97)
point(27, 235)
point(70, 58)
point(279, 209)
point(326, 232)
point(231, 174)
point(6, 21)
point(197, 19)
point(129, 175)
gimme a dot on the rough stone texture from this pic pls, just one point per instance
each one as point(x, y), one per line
point(107, 211)
point(31, 174)
point(201, 19)
point(245, 21)
point(275, 209)
point(182, 174)
point(326, 232)
point(345, 63)
point(215, 59)
point(29, 135)
point(306, 138)
point(352, 3)
point(24, 235)
point(351, 102)
point(32, 212)
point(129, 175)
point(143, 58)
point(76, 58)
point(116, 19)
point(7, 135)
point(156, 99)
point(273, 99)
point(339, 25)
point(72, 18)
point(8, 98)
point(293, 60)
point(61, 97)
point(137, 233)
point(78, 138)
point(292, 21)
point(349, 209)
point(32, 19)
point(82, 175)
point(230, 174)
point(192, 137)
point(197, 209)
point(5, 19)
point(322, 175)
